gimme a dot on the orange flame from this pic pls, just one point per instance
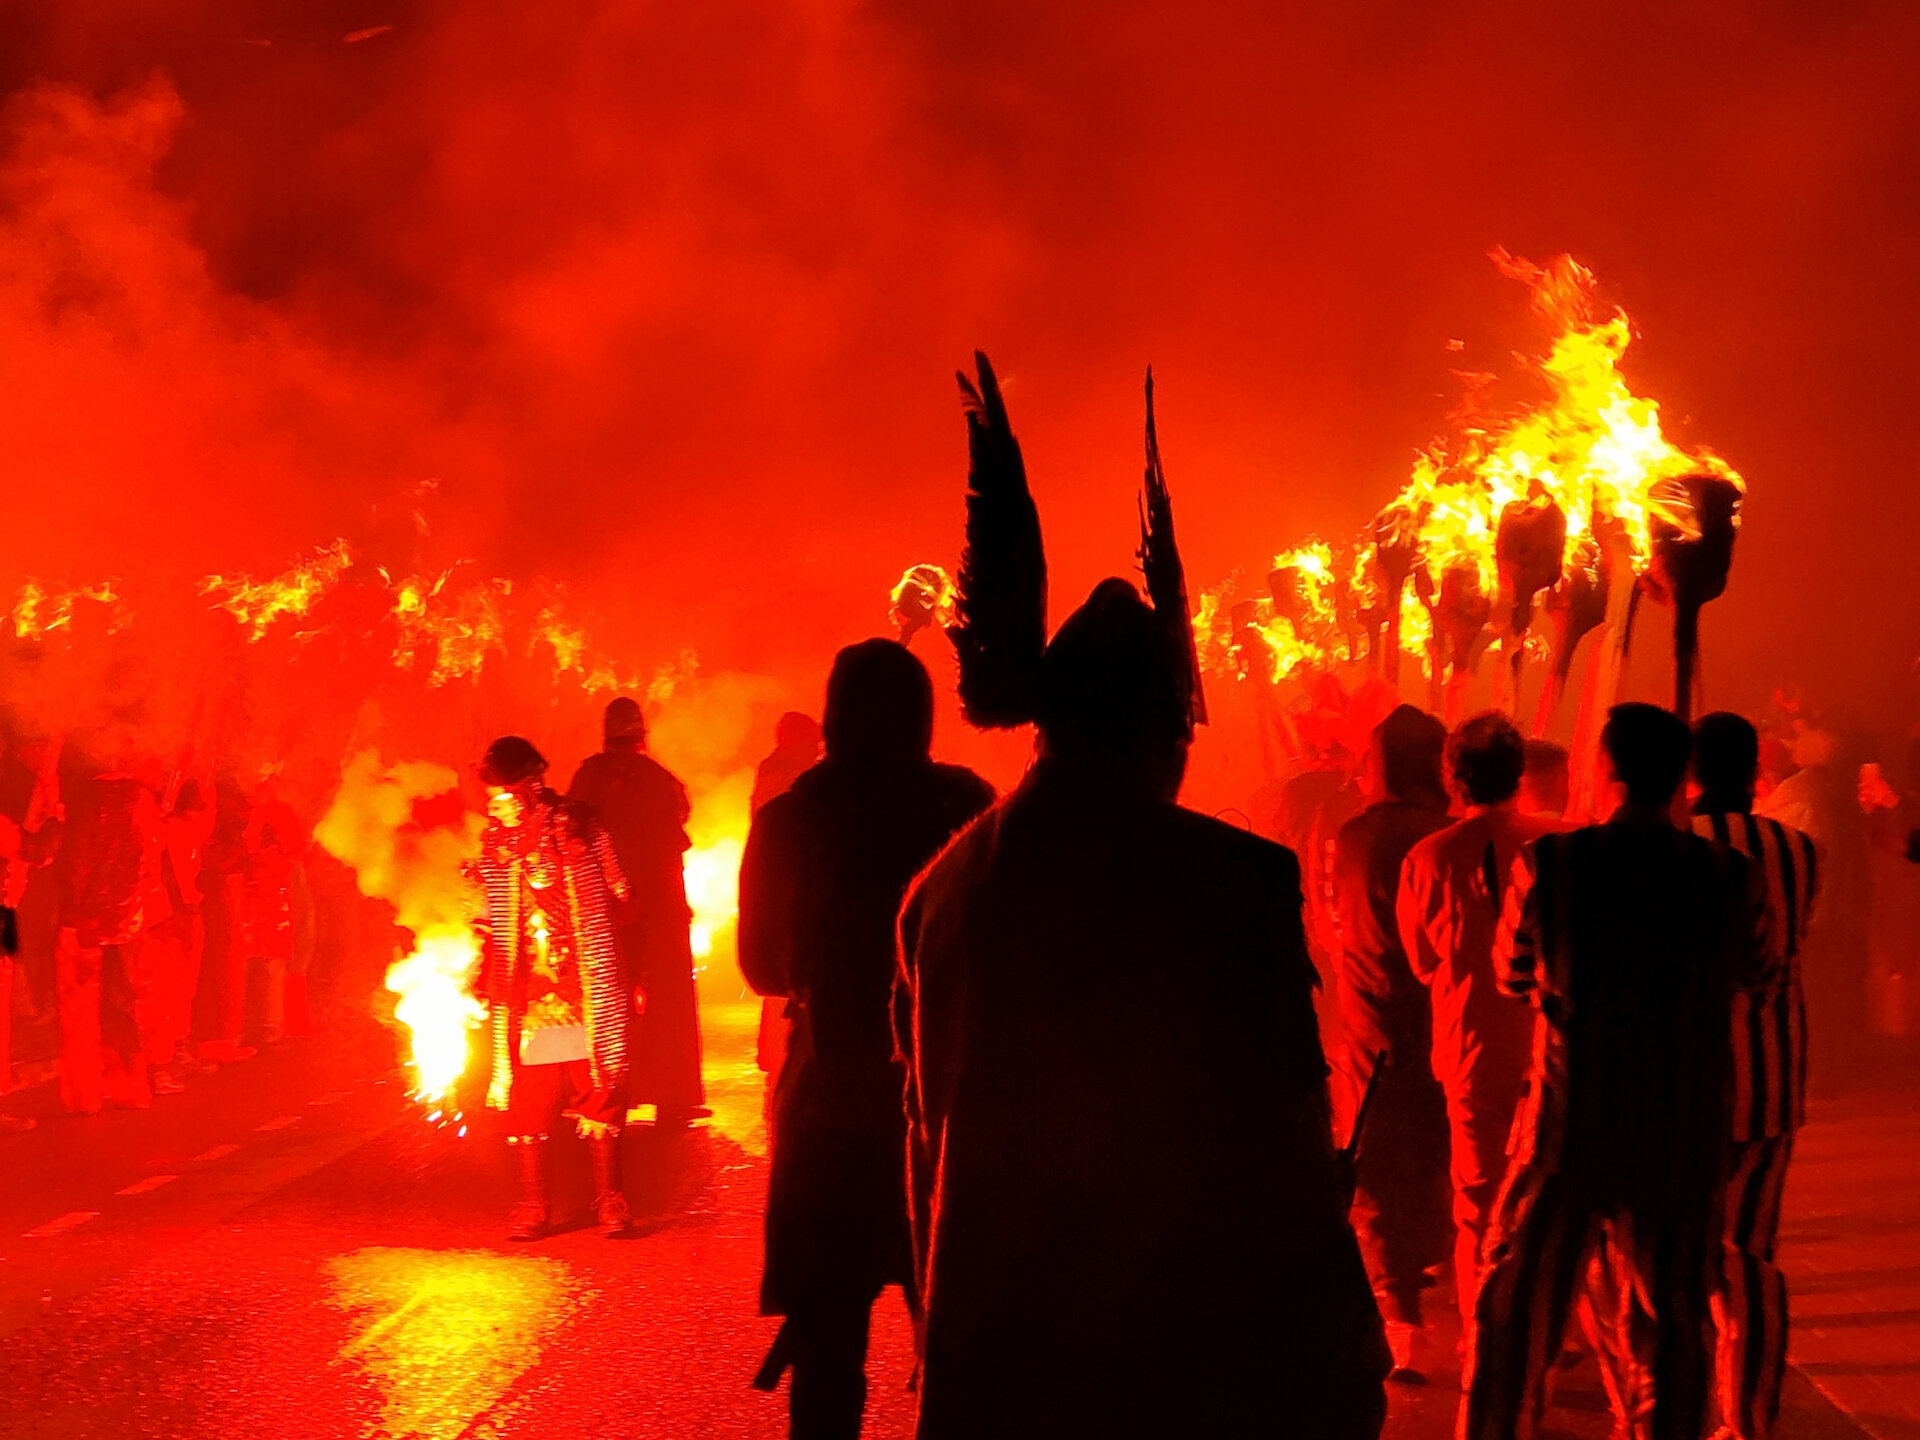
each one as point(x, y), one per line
point(37, 612)
point(374, 825)
point(257, 604)
point(1591, 447)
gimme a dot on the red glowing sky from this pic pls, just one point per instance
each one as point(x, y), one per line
point(667, 298)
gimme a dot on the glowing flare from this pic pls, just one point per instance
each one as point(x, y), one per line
point(437, 1007)
point(712, 873)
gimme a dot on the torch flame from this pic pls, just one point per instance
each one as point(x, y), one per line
point(257, 604)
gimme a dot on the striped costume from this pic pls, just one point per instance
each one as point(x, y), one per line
point(1629, 939)
point(553, 849)
point(1769, 1105)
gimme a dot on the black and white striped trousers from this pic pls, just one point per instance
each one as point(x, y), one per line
point(1655, 1338)
point(1750, 1293)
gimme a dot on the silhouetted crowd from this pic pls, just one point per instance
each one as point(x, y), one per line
point(1055, 1066)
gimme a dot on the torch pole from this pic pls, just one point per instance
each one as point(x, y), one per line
point(1686, 654)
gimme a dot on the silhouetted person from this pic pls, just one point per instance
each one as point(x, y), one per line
point(1452, 888)
point(1629, 938)
point(560, 1001)
point(1129, 1217)
point(1769, 1076)
point(644, 808)
point(1400, 1204)
point(825, 868)
point(796, 749)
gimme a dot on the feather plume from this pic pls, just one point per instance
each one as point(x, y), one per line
point(1166, 577)
point(1001, 629)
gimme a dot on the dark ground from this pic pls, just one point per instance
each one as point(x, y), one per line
point(325, 1263)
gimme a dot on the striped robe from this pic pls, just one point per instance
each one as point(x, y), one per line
point(1769, 1104)
point(1630, 939)
point(591, 880)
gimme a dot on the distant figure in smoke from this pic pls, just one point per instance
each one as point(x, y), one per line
point(1769, 1076)
point(1546, 784)
point(1128, 1214)
point(1386, 1015)
point(110, 866)
point(1452, 890)
point(821, 882)
point(552, 977)
point(1629, 938)
point(796, 749)
point(644, 808)
point(177, 944)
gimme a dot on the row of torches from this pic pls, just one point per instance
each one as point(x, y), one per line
point(1522, 538)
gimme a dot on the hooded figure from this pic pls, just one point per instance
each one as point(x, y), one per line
point(825, 868)
point(644, 809)
point(1128, 1214)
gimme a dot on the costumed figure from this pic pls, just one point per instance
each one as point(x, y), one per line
point(1769, 1077)
point(112, 892)
point(1129, 1218)
point(559, 999)
point(1452, 889)
point(825, 868)
point(1400, 1204)
point(644, 808)
point(1629, 938)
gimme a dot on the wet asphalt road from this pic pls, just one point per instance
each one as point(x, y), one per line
point(290, 1250)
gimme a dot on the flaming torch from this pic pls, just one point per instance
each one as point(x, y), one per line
point(1694, 521)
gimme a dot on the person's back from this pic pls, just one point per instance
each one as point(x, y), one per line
point(1629, 939)
point(1121, 1083)
point(1640, 929)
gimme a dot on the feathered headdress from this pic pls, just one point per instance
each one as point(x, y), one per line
point(1001, 630)
point(1166, 577)
point(1009, 675)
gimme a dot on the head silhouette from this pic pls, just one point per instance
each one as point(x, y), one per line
point(1648, 749)
point(1726, 760)
point(879, 706)
point(797, 731)
point(623, 724)
point(1110, 691)
point(1485, 759)
point(1545, 785)
point(1408, 747)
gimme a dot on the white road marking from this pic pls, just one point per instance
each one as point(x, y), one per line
point(218, 1152)
point(61, 1224)
point(279, 1123)
point(152, 1182)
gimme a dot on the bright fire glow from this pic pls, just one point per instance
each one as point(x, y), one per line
point(1590, 447)
point(713, 883)
point(437, 1007)
point(375, 825)
point(37, 612)
point(257, 604)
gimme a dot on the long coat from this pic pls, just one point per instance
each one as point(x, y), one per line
point(644, 809)
point(821, 882)
point(1128, 1215)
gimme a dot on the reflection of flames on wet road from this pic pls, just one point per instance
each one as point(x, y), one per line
point(444, 1334)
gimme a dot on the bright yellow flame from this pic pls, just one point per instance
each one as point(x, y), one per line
point(1590, 445)
point(713, 885)
point(257, 604)
point(444, 1334)
point(437, 1006)
point(375, 825)
point(37, 612)
point(457, 626)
